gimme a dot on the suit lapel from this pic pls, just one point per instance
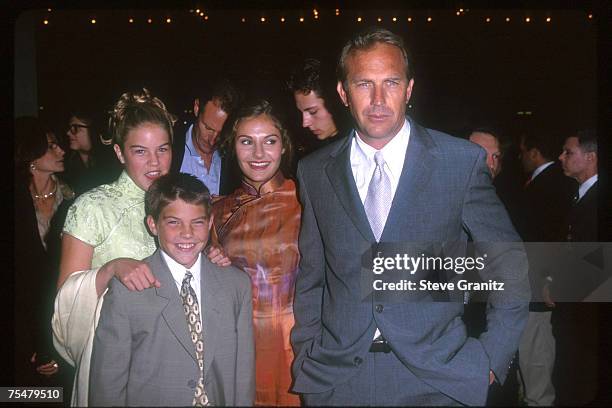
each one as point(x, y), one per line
point(416, 173)
point(210, 287)
point(173, 313)
point(341, 177)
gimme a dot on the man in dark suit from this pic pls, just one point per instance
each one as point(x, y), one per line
point(195, 150)
point(576, 323)
point(544, 206)
point(392, 181)
point(579, 160)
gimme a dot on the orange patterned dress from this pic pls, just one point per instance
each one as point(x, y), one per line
point(259, 232)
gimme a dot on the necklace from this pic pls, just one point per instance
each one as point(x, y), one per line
point(44, 196)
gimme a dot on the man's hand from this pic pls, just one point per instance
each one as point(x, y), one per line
point(135, 275)
point(47, 369)
point(546, 296)
point(217, 256)
point(491, 377)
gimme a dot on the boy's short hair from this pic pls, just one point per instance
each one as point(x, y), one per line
point(171, 187)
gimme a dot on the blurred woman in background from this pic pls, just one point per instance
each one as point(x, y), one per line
point(41, 201)
point(90, 160)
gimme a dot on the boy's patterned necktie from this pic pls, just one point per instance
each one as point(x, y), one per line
point(192, 312)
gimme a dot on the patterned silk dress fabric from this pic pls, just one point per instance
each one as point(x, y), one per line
point(110, 218)
point(259, 232)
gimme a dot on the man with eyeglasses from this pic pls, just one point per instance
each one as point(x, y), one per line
point(196, 151)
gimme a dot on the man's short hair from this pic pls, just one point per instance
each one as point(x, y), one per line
point(587, 140)
point(310, 75)
point(224, 91)
point(546, 142)
point(367, 39)
point(502, 141)
point(171, 187)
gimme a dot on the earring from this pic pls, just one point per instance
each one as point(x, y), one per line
point(32, 166)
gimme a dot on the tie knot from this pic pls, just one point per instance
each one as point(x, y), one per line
point(187, 278)
point(379, 159)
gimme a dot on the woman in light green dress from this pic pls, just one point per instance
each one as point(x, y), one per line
point(104, 233)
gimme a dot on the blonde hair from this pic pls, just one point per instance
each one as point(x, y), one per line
point(132, 110)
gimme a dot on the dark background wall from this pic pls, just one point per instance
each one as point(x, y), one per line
point(468, 70)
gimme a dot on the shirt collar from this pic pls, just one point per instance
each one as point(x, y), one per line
point(584, 187)
point(269, 186)
point(189, 142)
point(129, 188)
point(393, 152)
point(191, 148)
point(178, 271)
point(540, 169)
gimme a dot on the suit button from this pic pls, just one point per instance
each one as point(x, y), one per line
point(191, 383)
point(358, 361)
point(379, 308)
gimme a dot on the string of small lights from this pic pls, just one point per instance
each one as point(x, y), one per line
point(315, 15)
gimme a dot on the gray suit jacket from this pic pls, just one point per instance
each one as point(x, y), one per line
point(444, 195)
point(143, 354)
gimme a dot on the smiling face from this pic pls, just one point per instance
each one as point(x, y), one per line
point(314, 114)
point(259, 149)
point(78, 135)
point(53, 159)
point(376, 90)
point(146, 154)
point(182, 230)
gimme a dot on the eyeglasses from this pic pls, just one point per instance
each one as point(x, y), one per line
point(74, 128)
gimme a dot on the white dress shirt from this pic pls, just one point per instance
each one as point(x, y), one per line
point(540, 169)
point(178, 274)
point(363, 164)
point(584, 187)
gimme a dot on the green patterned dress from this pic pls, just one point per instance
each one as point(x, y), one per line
point(110, 218)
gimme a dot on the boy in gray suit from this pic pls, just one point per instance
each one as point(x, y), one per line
point(157, 347)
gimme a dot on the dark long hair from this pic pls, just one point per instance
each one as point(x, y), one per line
point(253, 109)
point(30, 143)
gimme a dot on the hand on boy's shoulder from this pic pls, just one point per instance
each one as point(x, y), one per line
point(117, 288)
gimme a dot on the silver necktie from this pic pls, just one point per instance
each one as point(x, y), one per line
point(379, 197)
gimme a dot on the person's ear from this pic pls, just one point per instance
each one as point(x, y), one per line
point(118, 153)
point(196, 107)
point(409, 90)
point(342, 93)
point(151, 225)
point(210, 221)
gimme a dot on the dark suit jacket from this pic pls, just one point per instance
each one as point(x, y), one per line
point(230, 172)
point(543, 211)
point(582, 220)
point(444, 194)
point(143, 354)
point(545, 206)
